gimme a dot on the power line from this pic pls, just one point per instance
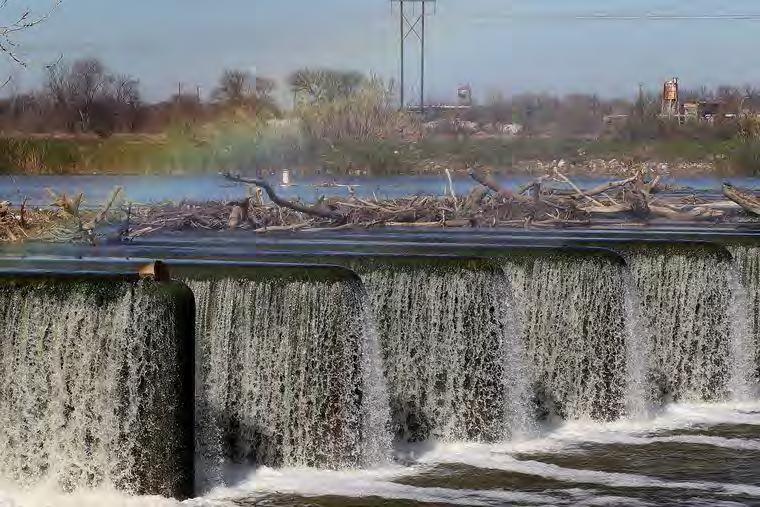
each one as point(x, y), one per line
point(621, 17)
point(413, 23)
point(666, 17)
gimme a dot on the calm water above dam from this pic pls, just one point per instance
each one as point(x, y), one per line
point(531, 377)
point(153, 189)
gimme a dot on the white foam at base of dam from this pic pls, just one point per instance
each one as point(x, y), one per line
point(261, 482)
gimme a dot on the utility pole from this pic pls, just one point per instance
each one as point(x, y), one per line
point(409, 25)
point(402, 20)
point(422, 59)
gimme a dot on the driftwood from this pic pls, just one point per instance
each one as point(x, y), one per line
point(743, 198)
point(317, 210)
point(488, 182)
point(627, 201)
point(549, 201)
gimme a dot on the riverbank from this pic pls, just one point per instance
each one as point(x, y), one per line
point(183, 153)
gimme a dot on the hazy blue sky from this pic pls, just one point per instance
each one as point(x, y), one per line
point(496, 45)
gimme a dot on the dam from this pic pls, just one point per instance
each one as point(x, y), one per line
point(486, 369)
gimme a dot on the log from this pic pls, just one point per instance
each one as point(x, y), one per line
point(743, 198)
point(475, 198)
point(489, 182)
point(457, 223)
point(22, 214)
point(718, 206)
point(605, 210)
point(671, 214)
point(609, 186)
point(637, 196)
point(309, 210)
point(236, 217)
point(578, 191)
point(451, 189)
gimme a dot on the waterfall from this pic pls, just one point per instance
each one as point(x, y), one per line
point(287, 375)
point(638, 402)
point(95, 385)
point(452, 359)
point(311, 367)
point(747, 277)
point(743, 380)
point(685, 300)
point(571, 314)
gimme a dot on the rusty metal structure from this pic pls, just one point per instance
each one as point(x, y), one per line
point(670, 98)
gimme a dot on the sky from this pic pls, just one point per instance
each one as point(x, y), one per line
point(496, 46)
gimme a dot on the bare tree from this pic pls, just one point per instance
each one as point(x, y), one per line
point(325, 84)
point(239, 88)
point(86, 97)
point(235, 87)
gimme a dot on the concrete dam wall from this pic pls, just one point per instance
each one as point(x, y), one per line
point(163, 387)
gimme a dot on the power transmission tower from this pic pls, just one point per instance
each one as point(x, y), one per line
point(409, 25)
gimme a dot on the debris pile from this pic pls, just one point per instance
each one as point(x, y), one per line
point(634, 200)
point(551, 200)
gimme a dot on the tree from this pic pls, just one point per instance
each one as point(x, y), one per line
point(86, 97)
point(368, 114)
point(325, 85)
point(235, 88)
point(240, 89)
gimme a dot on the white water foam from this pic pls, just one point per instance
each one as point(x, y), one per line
point(256, 485)
point(647, 431)
point(487, 457)
point(356, 484)
point(49, 497)
point(742, 383)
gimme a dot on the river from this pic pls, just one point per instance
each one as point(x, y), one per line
point(696, 455)
point(155, 189)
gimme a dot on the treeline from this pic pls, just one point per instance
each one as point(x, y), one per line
point(86, 97)
point(341, 122)
point(636, 119)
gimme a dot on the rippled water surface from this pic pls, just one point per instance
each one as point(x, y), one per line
point(151, 189)
point(699, 455)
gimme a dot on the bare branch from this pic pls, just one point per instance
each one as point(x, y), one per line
point(23, 22)
point(311, 210)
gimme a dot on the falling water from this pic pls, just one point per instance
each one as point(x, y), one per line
point(452, 359)
point(743, 380)
point(685, 300)
point(747, 276)
point(287, 375)
point(638, 402)
point(95, 385)
point(571, 313)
